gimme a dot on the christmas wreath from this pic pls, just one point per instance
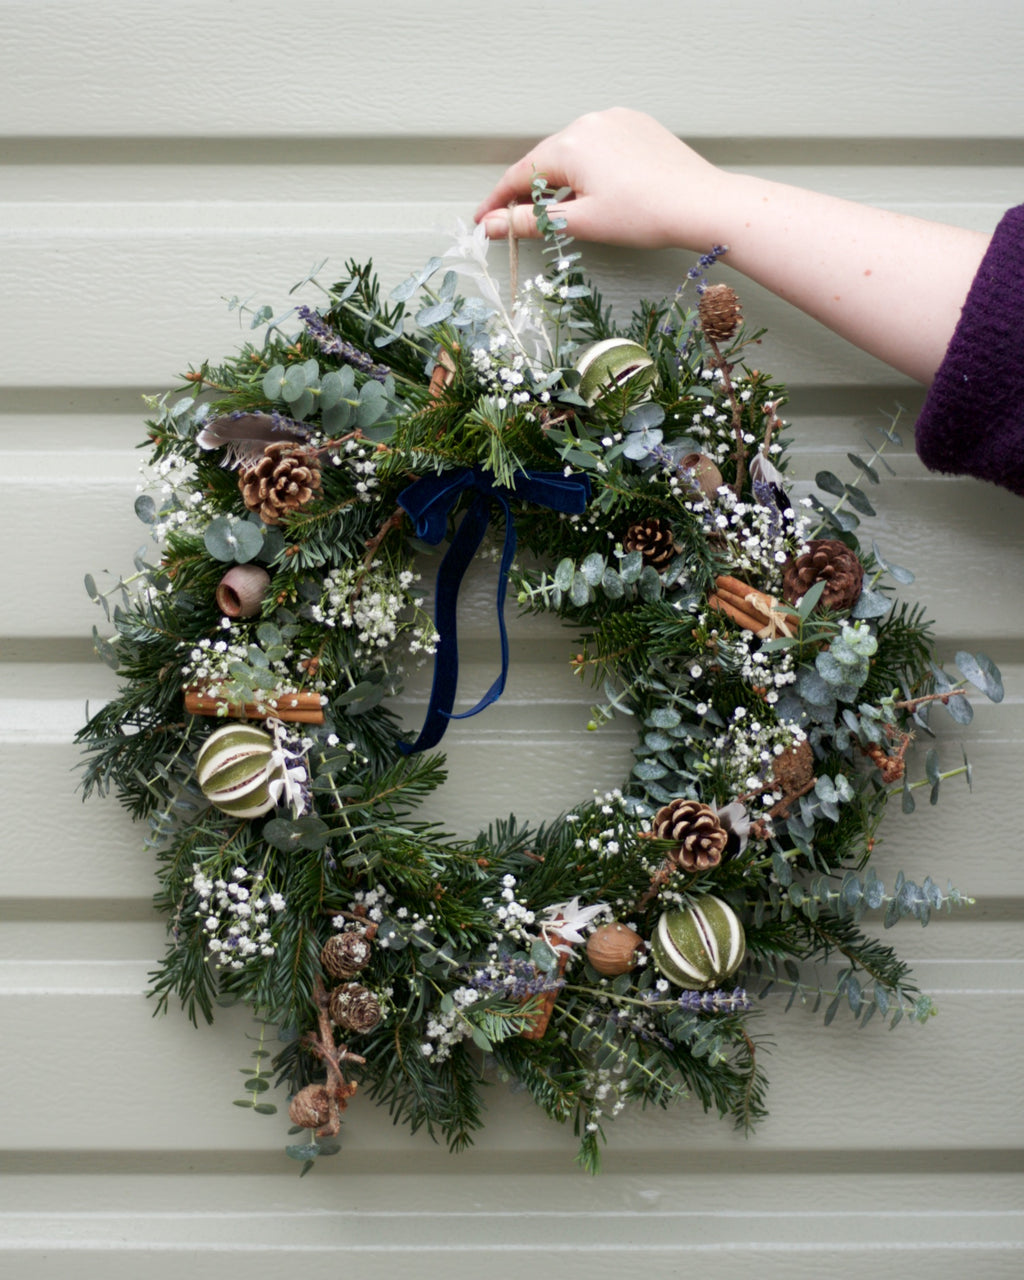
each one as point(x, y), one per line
point(622, 951)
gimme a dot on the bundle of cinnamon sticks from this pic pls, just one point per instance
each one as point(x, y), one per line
point(751, 609)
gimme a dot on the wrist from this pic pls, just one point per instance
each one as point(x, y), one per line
point(707, 210)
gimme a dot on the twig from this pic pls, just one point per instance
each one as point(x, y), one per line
point(339, 1090)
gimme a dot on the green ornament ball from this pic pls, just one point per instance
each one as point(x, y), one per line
point(612, 363)
point(235, 767)
point(699, 947)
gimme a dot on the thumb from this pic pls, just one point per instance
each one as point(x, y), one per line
point(521, 218)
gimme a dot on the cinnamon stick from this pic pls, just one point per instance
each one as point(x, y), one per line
point(541, 1016)
point(294, 707)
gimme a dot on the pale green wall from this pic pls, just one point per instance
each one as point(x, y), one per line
point(156, 158)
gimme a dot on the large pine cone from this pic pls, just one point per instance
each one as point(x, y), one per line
point(653, 539)
point(284, 479)
point(694, 829)
point(830, 561)
point(720, 313)
point(345, 954)
point(355, 1008)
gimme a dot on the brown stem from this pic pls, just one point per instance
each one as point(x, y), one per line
point(770, 412)
point(740, 452)
point(912, 704)
point(339, 1090)
point(392, 522)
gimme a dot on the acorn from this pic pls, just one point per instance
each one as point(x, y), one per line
point(240, 592)
point(611, 363)
point(613, 949)
point(235, 767)
point(699, 947)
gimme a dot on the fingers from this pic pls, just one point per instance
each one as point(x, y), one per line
point(513, 185)
point(522, 220)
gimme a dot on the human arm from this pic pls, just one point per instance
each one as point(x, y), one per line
point(889, 283)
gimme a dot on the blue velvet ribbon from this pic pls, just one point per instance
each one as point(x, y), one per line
point(429, 502)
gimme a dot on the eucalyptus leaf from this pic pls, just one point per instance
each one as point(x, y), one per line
point(982, 672)
point(145, 508)
point(870, 604)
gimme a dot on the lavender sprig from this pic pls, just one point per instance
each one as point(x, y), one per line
point(715, 1001)
point(519, 980)
point(333, 345)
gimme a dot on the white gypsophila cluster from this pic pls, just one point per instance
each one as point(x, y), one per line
point(756, 535)
point(360, 460)
point(374, 605)
point(607, 1093)
point(216, 666)
point(747, 749)
point(374, 902)
point(608, 843)
point(236, 916)
point(712, 424)
point(502, 371)
point(512, 917)
point(180, 506)
point(374, 906)
point(445, 1030)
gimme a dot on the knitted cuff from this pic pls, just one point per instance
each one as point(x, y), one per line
point(972, 422)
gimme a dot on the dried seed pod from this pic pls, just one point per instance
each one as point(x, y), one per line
point(613, 949)
point(794, 769)
point(311, 1107)
point(241, 591)
point(346, 953)
point(706, 476)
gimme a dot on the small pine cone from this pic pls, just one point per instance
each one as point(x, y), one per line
point(653, 539)
point(355, 1008)
point(345, 954)
point(720, 312)
point(830, 561)
point(311, 1107)
point(794, 769)
point(699, 837)
point(284, 479)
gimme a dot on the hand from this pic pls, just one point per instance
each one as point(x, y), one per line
point(634, 183)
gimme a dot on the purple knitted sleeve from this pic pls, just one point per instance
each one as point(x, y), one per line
point(972, 422)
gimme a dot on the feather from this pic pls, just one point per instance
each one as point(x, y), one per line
point(244, 436)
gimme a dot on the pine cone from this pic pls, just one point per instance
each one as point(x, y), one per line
point(699, 837)
point(284, 479)
point(345, 954)
point(794, 769)
point(311, 1107)
point(720, 312)
point(828, 560)
point(653, 539)
point(355, 1008)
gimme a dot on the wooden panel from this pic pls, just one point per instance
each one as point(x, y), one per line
point(191, 69)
